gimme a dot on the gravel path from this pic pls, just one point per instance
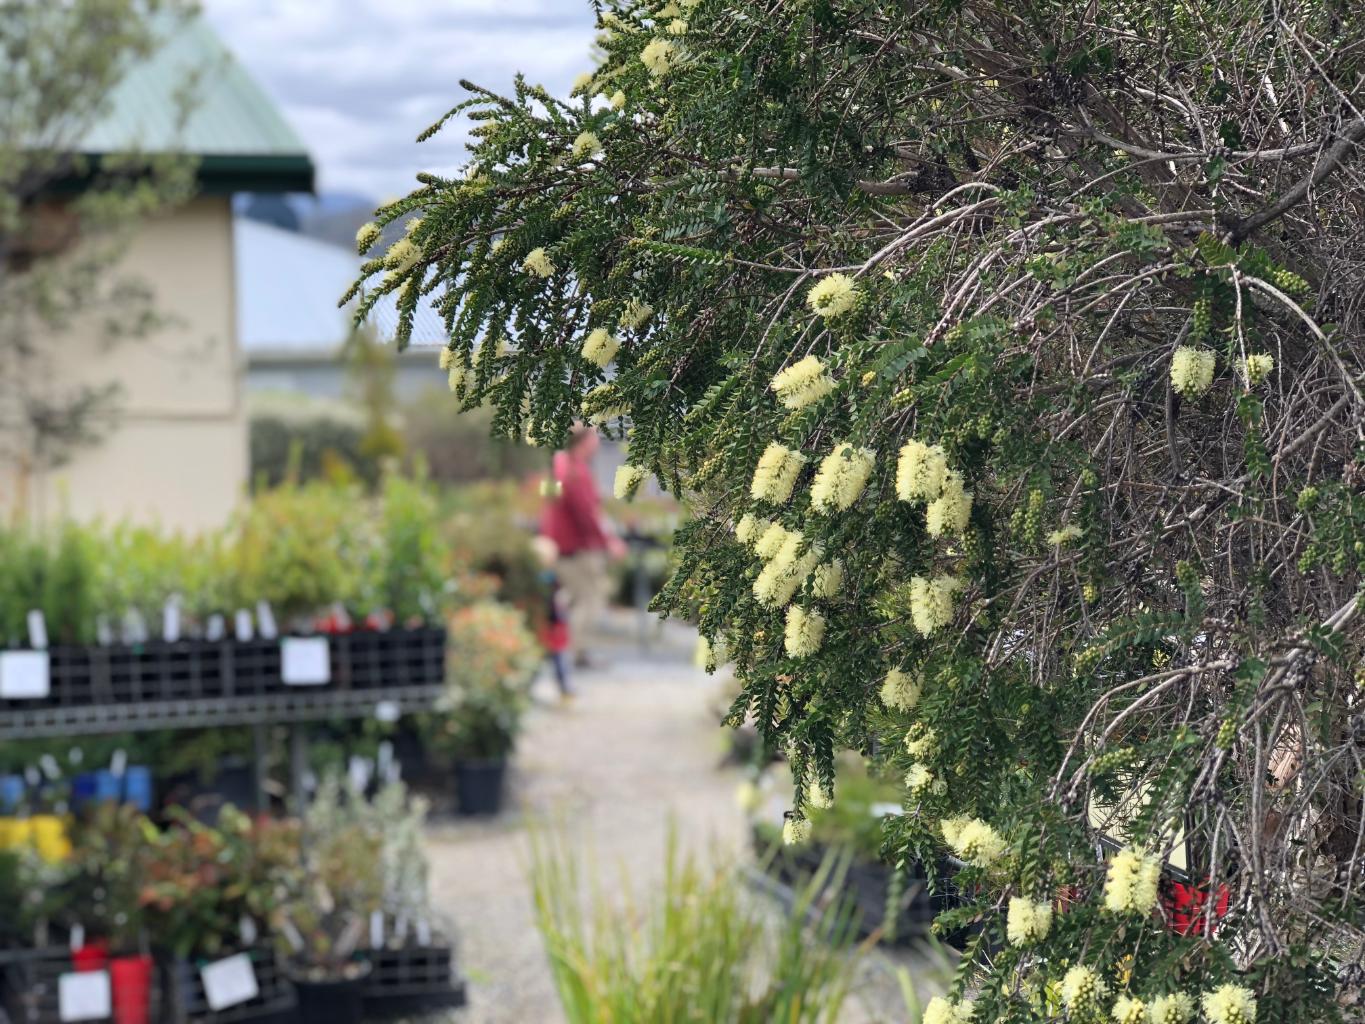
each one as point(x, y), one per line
point(638, 748)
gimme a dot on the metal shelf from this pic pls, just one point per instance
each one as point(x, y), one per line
point(306, 705)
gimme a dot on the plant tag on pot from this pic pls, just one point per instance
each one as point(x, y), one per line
point(387, 711)
point(24, 675)
point(241, 626)
point(118, 763)
point(359, 770)
point(423, 932)
point(170, 619)
point(292, 936)
point(77, 937)
point(229, 982)
point(215, 629)
point(305, 661)
point(50, 767)
point(265, 621)
point(247, 928)
point(377, 929)
point(37, 630)
point(84, 995)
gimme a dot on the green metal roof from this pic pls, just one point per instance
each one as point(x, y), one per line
point(242, 141)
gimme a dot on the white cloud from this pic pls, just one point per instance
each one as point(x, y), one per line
point(359, 79)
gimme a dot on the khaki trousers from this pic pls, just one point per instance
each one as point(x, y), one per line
point(583, 575)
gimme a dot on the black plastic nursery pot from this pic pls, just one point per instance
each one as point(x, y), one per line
point(339, 1001)
point(479, 786)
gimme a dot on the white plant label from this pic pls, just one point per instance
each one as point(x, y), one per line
point(84, 995)
point(387, 711)
point(247, 927)
point(170, 620)
point(24, 675)
point(50, 767)
point(423, 932)
point(118, 763)
point(360, 771)
point(241, 624)
point(229, 982)
point(377, 929)
point(265, 621)
point(77, 937)
point(216, 629)
point(305, 661)
point(37, 630)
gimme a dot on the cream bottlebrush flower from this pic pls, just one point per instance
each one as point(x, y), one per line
point(581, 82)
point(784, 574)
point(402, 254)
point(841, 478)
point(805, 632)
point(660, 57)
point(1082, 989)
point(635, 315)
point(980, 844)
point(802, 383)
point(1176, 1008)
point(949, 512)
point(601, 347)
point(952, 828)
point(900, 690)
point(776, 473)
point(942, 1011)
point(827, 580)
point(1230, 1004)
point(1256, 368)
point(1064, 536)
point(1129, 1010)
point(750, 528)
point(669, 10)
point(455, 375)
point(677, 27)
point(918, 778)
point(411, 227)
point(920, 471)
point(618, 100)
point(1026, 921)
point(446, 357)
point(833, 295)
point(921, 740)
point(538, 263)
point(1131, 886)
point(795, 831)
point(366, 237)
point(819, 796)
point(931, 602)
point(587, 145)
point(770, 541)
point(628, 478)
point(1192, 370)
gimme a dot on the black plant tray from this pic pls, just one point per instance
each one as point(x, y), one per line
point(411, 980)
point(29, 986)
point(187, 1004)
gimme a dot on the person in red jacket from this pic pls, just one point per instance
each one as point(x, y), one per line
point(573, 520)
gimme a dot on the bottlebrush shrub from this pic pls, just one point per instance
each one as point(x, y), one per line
point(1122, 569)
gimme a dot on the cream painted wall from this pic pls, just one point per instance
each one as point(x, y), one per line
point(179, 453)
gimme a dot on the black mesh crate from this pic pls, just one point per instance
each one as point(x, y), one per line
point(186, 1002)
point(373, 659)
point(411, 980)
point(252, 668)
point(31, 987)
point(187, 669)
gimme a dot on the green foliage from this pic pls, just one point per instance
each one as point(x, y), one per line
point(699, 951)
point(965, 226)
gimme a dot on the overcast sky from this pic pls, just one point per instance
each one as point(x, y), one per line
point(359, 79)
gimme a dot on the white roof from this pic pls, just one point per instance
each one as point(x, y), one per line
point(287, 290)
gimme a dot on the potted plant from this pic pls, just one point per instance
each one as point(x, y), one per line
point(110, 854)
point(476, 730)
point(326, 915)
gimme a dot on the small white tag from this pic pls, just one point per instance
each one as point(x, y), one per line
point(77, 937)
point(265, 621)
point(423, 932)
point(247, 927)
point(37, 630)
point(292, 935)
point(387, 711)
point(170, 620)
point(50, 767)
point(305, 661)
point(84, 995)
point(104, 635)
point(215, 629)
point(360, 772)
point(241, 625)
point(33, 777)
point(118, 763)
point(75, 756)
point(377, 929)
point(24, 675)
point(229, 982)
